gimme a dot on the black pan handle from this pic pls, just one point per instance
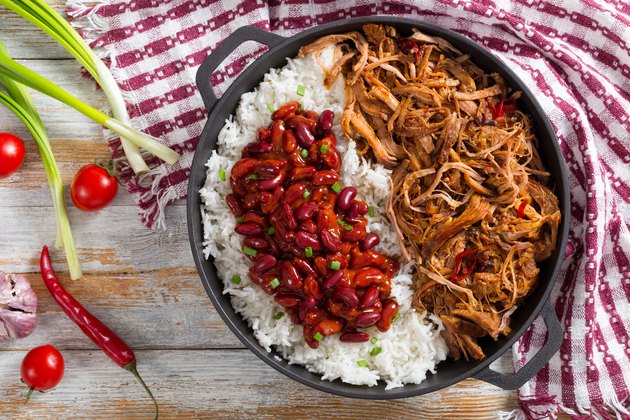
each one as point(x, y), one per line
point(225, 48)
point(552, 345)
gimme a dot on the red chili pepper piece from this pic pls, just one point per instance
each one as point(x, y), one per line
point(521, 210)
point(504, 107)
point(409, 46)
point(467, 270)
point(112, 345)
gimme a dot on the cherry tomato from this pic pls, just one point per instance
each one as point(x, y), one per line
point(11, 154)
point(42, 368)
point(93, 188)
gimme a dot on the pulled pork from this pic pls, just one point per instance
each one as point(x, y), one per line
point(468, 201)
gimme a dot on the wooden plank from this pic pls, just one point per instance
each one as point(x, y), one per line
point(220, 384)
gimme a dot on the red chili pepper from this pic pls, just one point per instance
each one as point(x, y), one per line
point(521, 210)
point(112, 345)
point(467, 271)
point(504, 107)
point(409, 45)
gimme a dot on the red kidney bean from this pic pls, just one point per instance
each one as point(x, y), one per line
point(294, 192)
point(330, 241)
point(270, 167)
point(332, 159)
point(243, 167)
point(263, 197)
point(354, 337)
point(376, 307)
point(290, 276)
point(303, 135)
point(234, 205)
point(304, 267)
point(333, 279)
point(305, 239)
point(369, 297)
point(346, 295)
point(390, 309)
point(248, 229)
point(362, 207)
point(292, 122)
point(255, 276)
point(264, 263)
point(306, 305)
point(314, 316)
point(308, 337)
point(256, 243)
point(288, 216)
point(356, 234)
point(353, 211)
point(311, 288)
point(325, 121)
point(311, 115)
point(270, 184)
point(250, 201)
point(367, 319)
point(273, 246)
point(290, 142)
point(285, 110)
point(366, 259)
point(306, 211)
point(369, 242)
point(277, 132)
point(264, 134)
point(274, 202)
point(367, 276)
point(258, 148)
point(284, 236)
point(342, 310)
point(252, 217)
point(385, 289)
point(328, 327)
point(309, 226)
point(345, 197)
point(287, 300)
point(325, 177)
point(321, 265)
point(301, 173)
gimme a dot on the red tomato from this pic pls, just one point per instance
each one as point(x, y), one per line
point(11, 154)
point(42, 368)
point(93, 188)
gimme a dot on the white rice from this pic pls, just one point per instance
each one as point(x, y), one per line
point(413, 345)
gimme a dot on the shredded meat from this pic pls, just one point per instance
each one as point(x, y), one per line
point(469, 202)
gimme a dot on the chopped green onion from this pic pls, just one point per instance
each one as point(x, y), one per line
point(250, 251)
point(278, 315)
point(348, 228)
point(375, 351)
point(308, 251)
point(240, 219)
point(270, 108)
point(336, 187)
point(318, 336)
point(374, 340)
point(304, 153)
point(300, 90)
point(335, 265)
point(236, 279)
point(323, 149)
point(362, 363)
point(341, 223)
point(252, 176)
point(306, 194)
point(271, 230)
point(396, 317)
point(299, 110)
point(274, 283)
point(222, 174)
point(371, 211)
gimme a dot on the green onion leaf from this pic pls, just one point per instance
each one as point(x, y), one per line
point(236, 279)
point(362, 363)
point(240, 219)
point(299, 110)
point(318, 336)
point(300, 90)
point(335, 265)
point(274, 283)
point(304, 153)
point(278, 315)
point(348, 228)
point(396, 317)
point(270, 108)
point(341, 222)
point(323, 149)
point(375, 351)
point(306, 194)
point(250, 251)
point(371, 211)
point(222, 174)
point(271, 230)
point(308, 251)
point(374, 340)
point(336, 187)
point(252, 176)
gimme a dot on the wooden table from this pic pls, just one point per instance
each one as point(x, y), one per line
point(144, 285)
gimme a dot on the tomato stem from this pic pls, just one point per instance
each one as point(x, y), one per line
point(28, 394)
point(131, 367)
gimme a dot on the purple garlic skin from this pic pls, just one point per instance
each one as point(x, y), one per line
point(18, 307)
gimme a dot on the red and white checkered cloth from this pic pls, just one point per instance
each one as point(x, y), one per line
point(574, 55)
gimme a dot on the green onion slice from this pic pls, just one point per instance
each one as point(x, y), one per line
point(274, 283)
point(348, 228)
point(240, 219)
point(270, 108)
point(374, 340)
point(236, 279)
point(250, 251)
point(308, 251)
point(306, 194)
point(362, 363)
point(396, 317)
point(323, 149)
point(335, 265)
point(271, 230)
point(375, 351)
point(304, 153)
point(318, 336)
point(278, 315)
point(371, 211)
point(341, 222)
point(222, 174)
point(336, 187)
point(300, 90)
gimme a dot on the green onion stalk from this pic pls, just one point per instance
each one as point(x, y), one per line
point(18, 101)
point(47, 19)
point(10, 69)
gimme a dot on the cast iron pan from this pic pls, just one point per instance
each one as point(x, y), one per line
point(449, 371)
